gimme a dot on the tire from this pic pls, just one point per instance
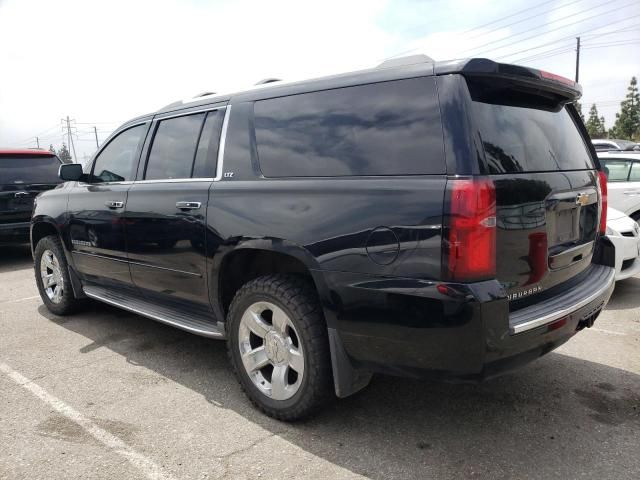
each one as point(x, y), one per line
point(49, 255)
point(299, 387)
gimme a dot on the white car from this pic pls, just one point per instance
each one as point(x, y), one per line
point(624, 232)
point(623, 181)
point(614, 144)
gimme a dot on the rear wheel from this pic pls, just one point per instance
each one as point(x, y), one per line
point(52, 277)
point(278, 346)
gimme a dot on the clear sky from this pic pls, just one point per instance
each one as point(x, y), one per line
point(104, 61)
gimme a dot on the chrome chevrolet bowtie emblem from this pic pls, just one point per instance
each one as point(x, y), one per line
point(582, 199)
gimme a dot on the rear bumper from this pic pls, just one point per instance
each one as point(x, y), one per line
point(459, 332)
point(14, 232)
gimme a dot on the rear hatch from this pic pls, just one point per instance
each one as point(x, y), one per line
point(22, 177)
point(547, 200)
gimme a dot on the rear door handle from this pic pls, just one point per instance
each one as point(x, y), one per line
point(632, 193)
point(188, 205)
point(114, 204)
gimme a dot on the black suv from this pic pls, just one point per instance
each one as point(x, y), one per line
point(439, 220)
point(23, 175)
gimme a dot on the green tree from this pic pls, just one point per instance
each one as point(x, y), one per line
point(64, 154)
point(595, 124)
point(627, 124)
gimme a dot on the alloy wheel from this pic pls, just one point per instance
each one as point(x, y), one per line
point(271, 350)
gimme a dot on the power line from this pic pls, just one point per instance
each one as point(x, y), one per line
point(546, 12)
point(567, 50)
point(572, 36)
point(481, 47)
point(480, 26)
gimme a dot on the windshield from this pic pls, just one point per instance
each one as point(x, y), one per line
point(21, 169)
point(520, 139)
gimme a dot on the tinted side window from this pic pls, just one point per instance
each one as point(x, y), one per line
point(207, 153)
point(174, 147)
point(115, 163)
point(616, 170)
point(389, 128)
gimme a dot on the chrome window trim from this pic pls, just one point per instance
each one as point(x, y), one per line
point(221, 145)
point(174, 180)
point(161, 116)
point(95, 184)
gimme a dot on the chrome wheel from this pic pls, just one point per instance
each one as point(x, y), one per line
point(51, 275)
point(271, 350)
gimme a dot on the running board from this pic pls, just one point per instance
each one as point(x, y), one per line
point(198, 324)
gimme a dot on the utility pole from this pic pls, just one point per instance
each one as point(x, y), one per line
point(577, 58)
point(38, 142)
point(70, 137)
point(95, 130)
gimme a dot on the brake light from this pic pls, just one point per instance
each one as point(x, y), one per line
point(472, 230)
point(556, 77)
point(604, 201)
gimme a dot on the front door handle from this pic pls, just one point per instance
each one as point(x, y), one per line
point(114, 204)
point(188, 205)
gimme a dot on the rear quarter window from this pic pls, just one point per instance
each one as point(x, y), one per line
point(389, 128)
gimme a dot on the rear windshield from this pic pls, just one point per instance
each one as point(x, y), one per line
point(25, 169)
point(521, 139)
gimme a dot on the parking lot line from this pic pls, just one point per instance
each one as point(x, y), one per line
point(21, 299)
point(610, 332)
point(150, 469)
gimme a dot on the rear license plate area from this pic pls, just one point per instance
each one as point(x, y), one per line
point(566, 226)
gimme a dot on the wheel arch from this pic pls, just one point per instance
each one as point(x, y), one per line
point(251, 258)
point(42, 227)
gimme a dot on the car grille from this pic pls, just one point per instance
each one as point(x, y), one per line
point(628, 234)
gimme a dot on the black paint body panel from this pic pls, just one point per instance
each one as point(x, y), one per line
point(372, 245)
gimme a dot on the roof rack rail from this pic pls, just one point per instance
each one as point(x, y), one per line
point(204, 94)
point(408, 60)
point(268, 80)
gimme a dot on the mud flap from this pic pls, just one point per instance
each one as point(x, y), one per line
point(347, 380)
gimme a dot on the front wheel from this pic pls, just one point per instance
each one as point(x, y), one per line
point(52, 277)
point(278, 346)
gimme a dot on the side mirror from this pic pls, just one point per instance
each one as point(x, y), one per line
point(70, 172)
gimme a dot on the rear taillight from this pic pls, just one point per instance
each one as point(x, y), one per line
point(602, 187)
point(472, 230)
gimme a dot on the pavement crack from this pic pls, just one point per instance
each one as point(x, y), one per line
point(255, 443)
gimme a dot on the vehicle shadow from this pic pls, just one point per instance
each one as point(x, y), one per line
point(15, 257)
point(626, 295)
point(560, 417)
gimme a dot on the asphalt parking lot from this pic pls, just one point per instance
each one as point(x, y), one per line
point(108, 394)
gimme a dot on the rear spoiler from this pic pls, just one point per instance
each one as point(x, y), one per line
point(564, 88)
